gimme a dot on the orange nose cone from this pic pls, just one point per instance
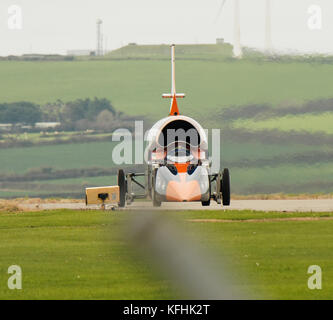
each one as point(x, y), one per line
point(183, 191)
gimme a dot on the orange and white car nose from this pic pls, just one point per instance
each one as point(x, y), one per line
point(183, 190)
point(181, 185)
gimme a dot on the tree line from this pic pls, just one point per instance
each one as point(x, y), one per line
point(79, 114)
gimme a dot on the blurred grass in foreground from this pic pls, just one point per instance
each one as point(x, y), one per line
point(83, 255)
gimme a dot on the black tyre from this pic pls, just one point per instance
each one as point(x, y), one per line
point(225, 187)
point(122, 188)
point(156, 202)
point(150, 184)
point(205, 203)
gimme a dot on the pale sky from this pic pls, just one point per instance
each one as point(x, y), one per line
point(55, 26)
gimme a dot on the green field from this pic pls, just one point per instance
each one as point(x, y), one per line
point(67, 156)
point(310, 123)
point(255, 168)
point(85, 254)
point(99, 154)
point(209, 84)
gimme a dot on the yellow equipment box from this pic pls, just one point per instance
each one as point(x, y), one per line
point(102, 195)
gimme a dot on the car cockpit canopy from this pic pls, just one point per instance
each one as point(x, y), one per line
point(177, 140)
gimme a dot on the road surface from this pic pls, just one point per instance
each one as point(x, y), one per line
point(315, 205)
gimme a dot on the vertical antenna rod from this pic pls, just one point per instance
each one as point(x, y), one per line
point(173, 70)
point(174, 111)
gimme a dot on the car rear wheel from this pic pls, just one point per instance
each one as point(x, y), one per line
point(225, 187)
point(122, 188)
point(205, 203)
point(156, 202)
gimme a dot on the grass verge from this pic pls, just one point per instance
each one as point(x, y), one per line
point(68, 254)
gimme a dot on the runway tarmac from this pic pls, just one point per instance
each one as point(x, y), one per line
point(315, 205)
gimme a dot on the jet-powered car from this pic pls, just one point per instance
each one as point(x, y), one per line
point(178, 166)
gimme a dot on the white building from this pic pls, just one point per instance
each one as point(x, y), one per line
point(80, 53)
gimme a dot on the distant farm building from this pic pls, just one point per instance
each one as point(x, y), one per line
point(47, 125)
point(5, 126)
point(38, 125)
point(219, 41)
point(80, 53)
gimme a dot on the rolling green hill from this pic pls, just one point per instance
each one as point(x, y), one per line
point(158, 52)
point(135, 86)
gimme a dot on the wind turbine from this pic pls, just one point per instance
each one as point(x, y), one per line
point(268, 34)
point(237, 51)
